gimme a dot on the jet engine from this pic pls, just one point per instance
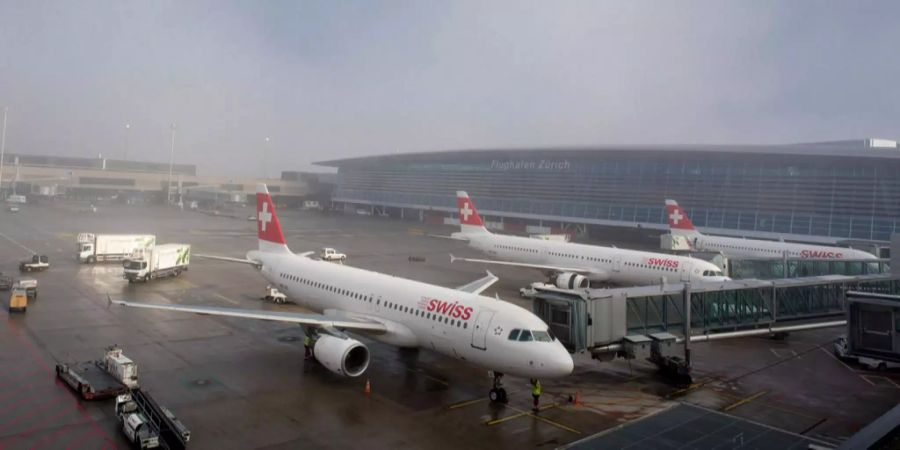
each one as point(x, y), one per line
point(343, 356)
point(568, 280)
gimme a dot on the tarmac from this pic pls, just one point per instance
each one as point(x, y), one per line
point(238, 383)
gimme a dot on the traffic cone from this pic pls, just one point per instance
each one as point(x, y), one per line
point(368, 389)
point(577, 400)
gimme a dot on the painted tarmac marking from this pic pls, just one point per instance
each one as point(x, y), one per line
point(744, 401)
point(879, 378)
point(466, 403)
point(421, 372)
point(18, 243)
point(233, 302)
point(524, 413)
point(783, 353)
point(697, 385)
point(768, 405)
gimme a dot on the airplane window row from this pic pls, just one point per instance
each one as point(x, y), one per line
point(648, 266)
point(518, 249)
point(581, 257)
point(329, 288)
point(740, 247)
point(530, 335)
point(370, 298)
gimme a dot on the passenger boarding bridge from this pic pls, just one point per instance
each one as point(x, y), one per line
point(606, 321)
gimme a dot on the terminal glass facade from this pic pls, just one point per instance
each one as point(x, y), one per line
point(824, 194)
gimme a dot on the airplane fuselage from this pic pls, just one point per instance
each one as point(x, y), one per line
point(614, 265)
point(756, 248)
point(458, 324)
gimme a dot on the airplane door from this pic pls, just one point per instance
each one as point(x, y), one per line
point(617, 263)
point(686, 272)
point(479, 331)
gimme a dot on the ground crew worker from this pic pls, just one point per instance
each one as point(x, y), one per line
point(307, 345)
point(536, 393)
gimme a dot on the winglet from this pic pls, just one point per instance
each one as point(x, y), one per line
point(452, 258)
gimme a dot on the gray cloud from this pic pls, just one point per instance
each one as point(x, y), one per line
point(332, 79)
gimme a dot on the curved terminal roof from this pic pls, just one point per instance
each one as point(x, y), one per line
point(867, 148)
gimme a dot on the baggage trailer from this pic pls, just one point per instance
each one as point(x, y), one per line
point(138, 410)
point(90, 380)
point(113, 375)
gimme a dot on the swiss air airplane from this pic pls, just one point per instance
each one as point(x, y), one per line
point(459, 323)
point(681, 225)
point(573, 265)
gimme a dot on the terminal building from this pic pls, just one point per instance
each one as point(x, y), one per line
point(828, 192)
point(37, 176)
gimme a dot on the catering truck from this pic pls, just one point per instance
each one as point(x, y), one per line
point(164, 260)
point(111, 247)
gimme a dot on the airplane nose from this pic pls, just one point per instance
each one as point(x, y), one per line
point(564, 364)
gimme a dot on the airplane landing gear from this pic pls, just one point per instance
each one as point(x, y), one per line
point(498, 394)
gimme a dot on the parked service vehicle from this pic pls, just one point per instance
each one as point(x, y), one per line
point(274, 295)
point(18, 300)
point(156, 262)
point(330, 254)
point(29, 284)
point(842, 351)
point(6, 282)
point(111, 247)
point(35, 264)
point(13, 208)
point(135, 425)
point(16, 199)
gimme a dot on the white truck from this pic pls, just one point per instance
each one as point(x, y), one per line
point(330, 254)
point(135, 425)
point(159, 261)
point(110, 247)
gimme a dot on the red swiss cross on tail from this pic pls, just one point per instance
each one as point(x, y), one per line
point(469, 220)
point(678, 220)
point(267, 226)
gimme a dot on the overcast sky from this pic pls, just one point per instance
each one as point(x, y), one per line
point(332, 79)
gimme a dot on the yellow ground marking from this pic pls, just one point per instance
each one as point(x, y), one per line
point(523, 413)
point(693, 386)
point(226, 299)
point(744, 401)
point(437, 380)
point(467, 403)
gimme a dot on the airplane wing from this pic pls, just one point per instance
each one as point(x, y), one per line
point(478, 286)
point(578, 270)
point(310, 320)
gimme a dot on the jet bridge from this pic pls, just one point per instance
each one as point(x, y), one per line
point(600, 320)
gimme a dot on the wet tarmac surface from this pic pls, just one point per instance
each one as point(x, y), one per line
point(244, 384)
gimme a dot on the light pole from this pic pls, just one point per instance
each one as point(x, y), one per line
point(171, 161)
point(127, 128)
point(265, 156)
point(3, 147)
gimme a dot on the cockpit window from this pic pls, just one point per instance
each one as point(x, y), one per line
point(525, 336)
point(542, 336)
point(713, 273)
point(514, 334)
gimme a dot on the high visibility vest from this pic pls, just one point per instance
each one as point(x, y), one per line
point(306, 341)
point(536, 389)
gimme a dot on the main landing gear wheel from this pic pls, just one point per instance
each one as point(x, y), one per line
point(497, 393)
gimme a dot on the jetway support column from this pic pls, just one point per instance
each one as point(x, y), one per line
point(687, 324)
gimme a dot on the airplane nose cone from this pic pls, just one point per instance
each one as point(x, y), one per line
point(563, 364)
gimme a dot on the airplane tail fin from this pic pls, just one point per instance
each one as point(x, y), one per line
point(268, 228)
point(679, 222)
point(469, 220)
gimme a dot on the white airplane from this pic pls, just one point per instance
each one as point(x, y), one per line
point(574, 265)
point(459, 323)
point(680, 225)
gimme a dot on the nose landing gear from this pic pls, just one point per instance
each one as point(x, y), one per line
point(497, 393)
